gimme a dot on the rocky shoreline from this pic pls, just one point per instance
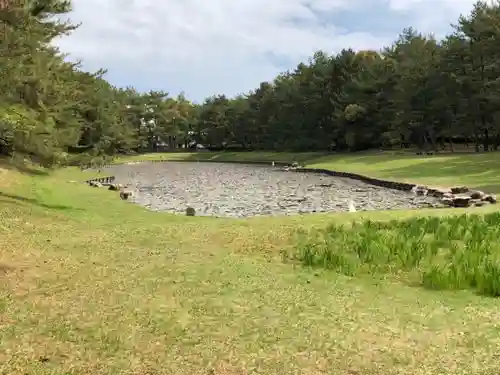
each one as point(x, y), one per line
point(460, 196)
point(238, 190)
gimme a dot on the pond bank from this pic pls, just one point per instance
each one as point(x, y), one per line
point(243, 190)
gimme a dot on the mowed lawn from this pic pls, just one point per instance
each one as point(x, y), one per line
point(90, 284)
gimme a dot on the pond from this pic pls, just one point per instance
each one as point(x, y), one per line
point(236, 190)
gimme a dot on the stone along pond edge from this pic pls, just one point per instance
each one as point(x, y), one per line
point(460, 196)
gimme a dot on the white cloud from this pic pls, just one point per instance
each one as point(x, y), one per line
point(222, 46)
point(433, 15)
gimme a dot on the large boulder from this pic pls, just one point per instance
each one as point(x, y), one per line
point(467, 198)
point(490, 198)
point(126, 193)
point(447, 201)
point(476, 194)
point(461, 201)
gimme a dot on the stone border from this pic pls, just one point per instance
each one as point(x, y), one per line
point(354, 176)
point(103, 166)
point(460, 196)
point(101, 180)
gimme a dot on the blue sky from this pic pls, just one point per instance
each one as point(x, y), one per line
point(206, 47)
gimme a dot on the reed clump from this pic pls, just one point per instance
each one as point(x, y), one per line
point(456, 252)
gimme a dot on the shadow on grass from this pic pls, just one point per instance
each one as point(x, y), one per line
point(13, 199)
point(23, 168)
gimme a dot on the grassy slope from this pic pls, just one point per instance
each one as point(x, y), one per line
point(90, 284)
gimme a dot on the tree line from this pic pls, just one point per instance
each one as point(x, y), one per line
point(53, 112)
point(418, 92)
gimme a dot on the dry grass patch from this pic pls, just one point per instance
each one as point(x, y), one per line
point(101, 286)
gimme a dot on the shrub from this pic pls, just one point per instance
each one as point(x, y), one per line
point(457, 252)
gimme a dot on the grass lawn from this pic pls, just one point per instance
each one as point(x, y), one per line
point(90, 284)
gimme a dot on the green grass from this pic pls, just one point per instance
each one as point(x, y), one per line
point(227, 156)
point(458, 252)
point(479, 171)
point(90, 284)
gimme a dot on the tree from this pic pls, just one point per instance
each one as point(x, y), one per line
point(418, 92)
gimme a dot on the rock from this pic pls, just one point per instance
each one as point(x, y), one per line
point(461, 201)
point(115, 187)
point(190, 211)
point(447, 201)
point(439, 193)
point(476, 194)
point(459, 190)
point(420, 190)
point(295, 164)
point(467, 198)
point(126, 194)
point(490, 198)
point(95, 184)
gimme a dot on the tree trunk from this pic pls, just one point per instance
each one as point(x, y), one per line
point(451, 144)
point(431, 140)
point(496, 142)
point(476, 143)
point(486, 140)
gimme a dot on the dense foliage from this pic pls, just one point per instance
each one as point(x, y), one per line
point(418, 92)
point(53, 112)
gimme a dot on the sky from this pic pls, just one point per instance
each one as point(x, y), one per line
point(209, 47)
